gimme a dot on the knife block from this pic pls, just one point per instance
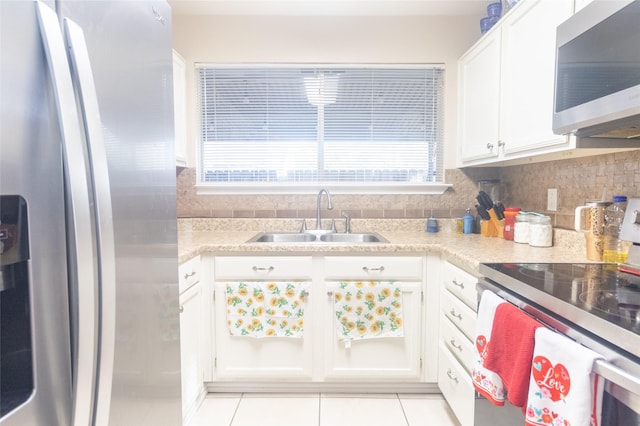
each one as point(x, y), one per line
point(492, 227)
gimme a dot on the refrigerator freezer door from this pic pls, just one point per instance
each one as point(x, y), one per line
point(31, 167)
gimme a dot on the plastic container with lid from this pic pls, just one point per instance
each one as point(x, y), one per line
point(615, 250)
point(521, 229)
point(509, 221)
point(540, 231)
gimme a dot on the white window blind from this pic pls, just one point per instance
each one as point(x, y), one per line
point(324, 124)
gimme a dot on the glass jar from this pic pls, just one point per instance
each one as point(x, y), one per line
point(540, 231)
point(509, 222)
point(521, 229)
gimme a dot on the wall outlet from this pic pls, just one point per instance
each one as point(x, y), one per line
point(552, 199)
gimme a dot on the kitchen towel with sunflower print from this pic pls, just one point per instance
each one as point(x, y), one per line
point(266, 309)
point(367, 310)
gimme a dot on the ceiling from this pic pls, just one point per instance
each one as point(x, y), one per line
point(330, 7)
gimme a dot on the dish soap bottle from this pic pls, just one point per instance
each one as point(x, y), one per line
point(467, 223)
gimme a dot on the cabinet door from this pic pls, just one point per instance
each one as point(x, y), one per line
point(527, 79)
point(456, 386)
point(252, 358)
point(479, 94)
point(384, 358)
point(190, 349)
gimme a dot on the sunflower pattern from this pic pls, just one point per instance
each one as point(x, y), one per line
point(266, 309)
point(368, 309)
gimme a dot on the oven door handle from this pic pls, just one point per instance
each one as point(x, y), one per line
point(617, 376)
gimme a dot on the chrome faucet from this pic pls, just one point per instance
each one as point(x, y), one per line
point(329, 207)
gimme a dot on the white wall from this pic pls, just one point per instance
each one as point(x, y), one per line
point(269, 39)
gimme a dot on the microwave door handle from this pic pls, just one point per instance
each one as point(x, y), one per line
point(88, 103)
point(81, 234)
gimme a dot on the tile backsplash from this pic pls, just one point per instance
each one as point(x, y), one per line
point(577, 180)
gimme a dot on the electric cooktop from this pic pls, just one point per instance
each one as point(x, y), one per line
point(597, 297)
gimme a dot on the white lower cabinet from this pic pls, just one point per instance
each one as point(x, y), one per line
point(457, 332)
point(191, 342)
point(456, 386)
point(261, 358)
point(378, 358)
point(320, 354)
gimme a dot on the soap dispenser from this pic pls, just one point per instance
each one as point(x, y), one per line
point(432, 224)
point(467, 223)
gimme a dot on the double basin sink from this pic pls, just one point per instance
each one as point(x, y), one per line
point(303, 237)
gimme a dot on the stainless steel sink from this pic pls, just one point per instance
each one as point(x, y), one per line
point(353, 238)
point(298, 237)
point(282, 237)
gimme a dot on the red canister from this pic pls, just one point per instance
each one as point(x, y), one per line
point(509, 221)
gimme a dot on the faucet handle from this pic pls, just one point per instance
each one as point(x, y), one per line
point(347, 222)
point(303, 226)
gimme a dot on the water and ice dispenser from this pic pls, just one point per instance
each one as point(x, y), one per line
point(16, 347)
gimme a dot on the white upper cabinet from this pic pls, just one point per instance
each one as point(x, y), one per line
point(506, 86)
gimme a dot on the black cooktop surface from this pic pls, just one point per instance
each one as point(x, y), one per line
point(583, 289)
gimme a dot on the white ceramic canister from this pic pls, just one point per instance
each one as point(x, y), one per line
point(540, 231)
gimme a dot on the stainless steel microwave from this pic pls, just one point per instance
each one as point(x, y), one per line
point(597, 80)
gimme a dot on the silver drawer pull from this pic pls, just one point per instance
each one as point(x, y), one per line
point(453, 343)
point(304, 294)
point(187, 276)
point(457, 284)
point(367, 269)
point(455, 314)
point(451, 375)
point(259, 269)
point(181, 309)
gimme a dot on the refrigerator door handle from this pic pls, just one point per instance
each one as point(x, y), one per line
point(88, 103)
point(81, 250)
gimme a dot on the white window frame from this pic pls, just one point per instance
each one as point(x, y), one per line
point(275, 188)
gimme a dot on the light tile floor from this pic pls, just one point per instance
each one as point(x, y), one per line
point(323, 409)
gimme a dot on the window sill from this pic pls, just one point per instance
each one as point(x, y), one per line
point(334, 188)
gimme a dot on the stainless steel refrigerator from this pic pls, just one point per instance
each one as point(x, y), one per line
point(88, 257)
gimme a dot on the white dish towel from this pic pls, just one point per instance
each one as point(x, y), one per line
point(563, 389)
point(486, 382)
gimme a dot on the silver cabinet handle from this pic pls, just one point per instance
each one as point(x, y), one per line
point(262, 269)
point(453, 343)
point(457, 284)
point(455, 314)
point(451, 375)
point(76, 185)
point(489, 146)
point(501, 143)
point(187, 276)
point(367, 269)
point(181, 309)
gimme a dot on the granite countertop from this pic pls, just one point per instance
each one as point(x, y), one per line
point(466, 251)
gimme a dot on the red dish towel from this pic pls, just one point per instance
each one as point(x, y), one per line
point(511, 351)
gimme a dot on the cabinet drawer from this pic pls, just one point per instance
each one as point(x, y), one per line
point(460, 283)
point(459, 314)
point(263, 267)
point(457, 343)
point(188, 273)
point(455, 384)
point(373, 268)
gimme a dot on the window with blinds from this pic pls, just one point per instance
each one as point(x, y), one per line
point(355, 125)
